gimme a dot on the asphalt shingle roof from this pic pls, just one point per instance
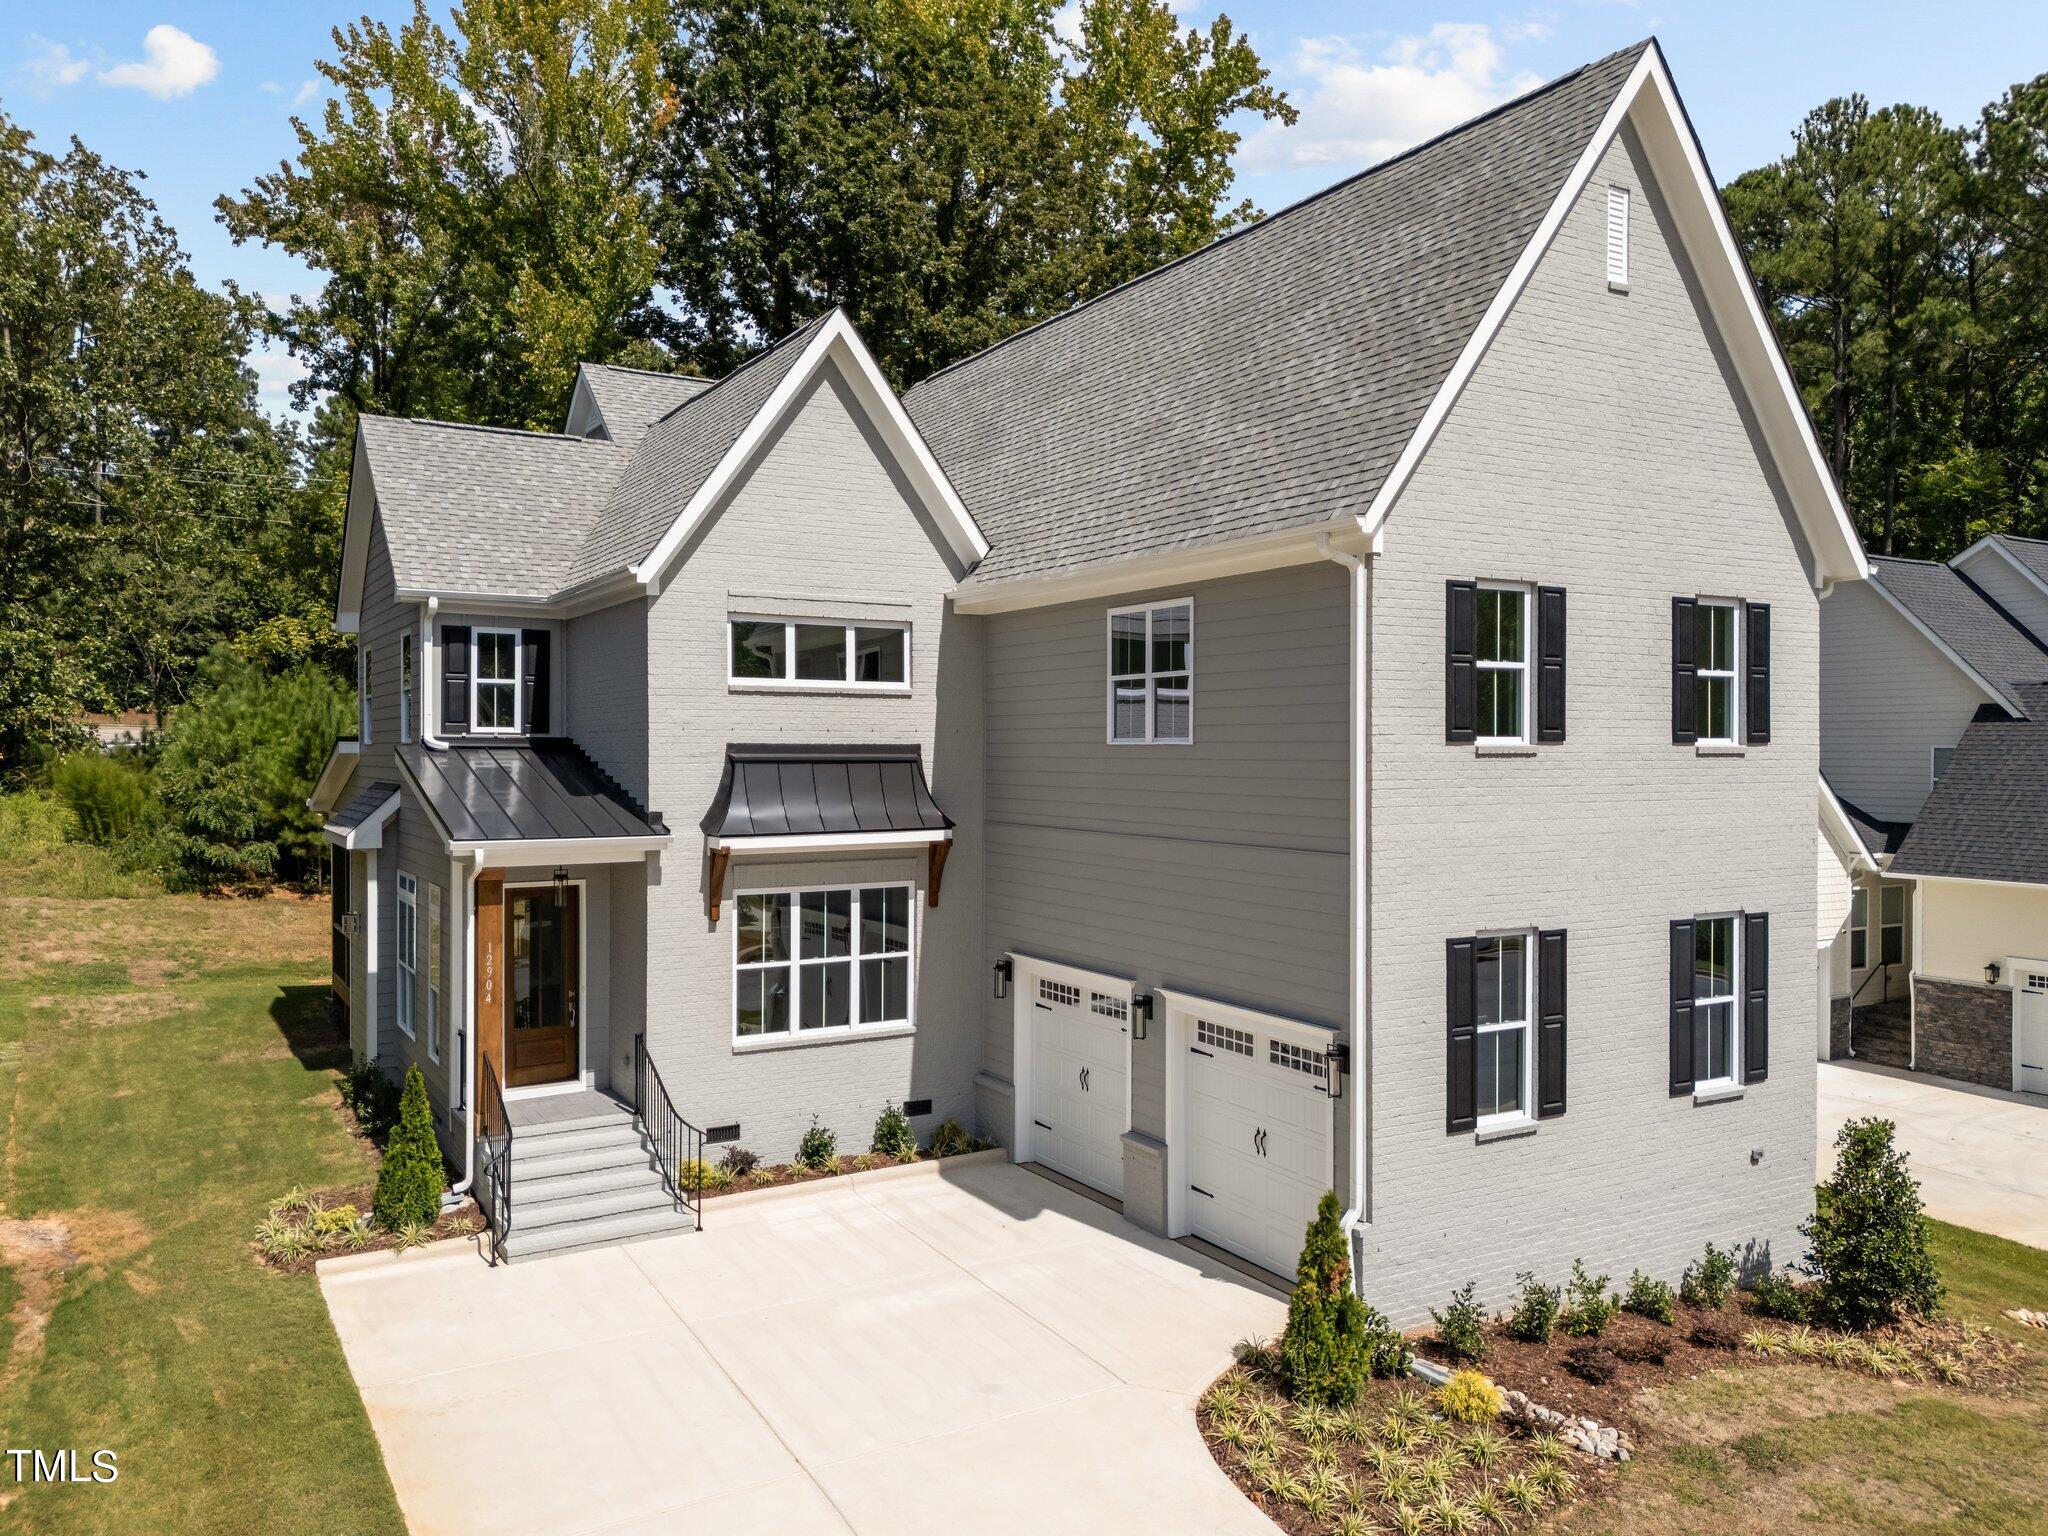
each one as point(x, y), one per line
point(1879, 836)
point(368, 799)
point(633, 399)
point(2032, 553)
point(1987, 818)
point(1269, 380)
point(1968, 622)
point(527, 790)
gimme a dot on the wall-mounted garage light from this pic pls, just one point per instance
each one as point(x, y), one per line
point(1337, 1062)
point(1991, 974)
point(1003, 968)
point(1141, 1014)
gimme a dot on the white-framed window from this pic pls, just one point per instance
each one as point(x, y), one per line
point(1717, 627)
point(822, 961)
point(1716, 963)
point(405, 687)
point(769, 652)
point(1502, 652)
point(1937, 765)
point(408, 950)
point(1617, 238)
point(494, 683)
point(1891, 925)
point(1859, 928)
point(366, 677)
point(1504, 971)
point(1152, 673)
point(434, 973)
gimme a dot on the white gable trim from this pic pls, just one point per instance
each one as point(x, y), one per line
point(1991, 692)
point(1990, 545)
point(334, 776)
point(1835, 822)
point(838, 343)
point(355, 539)
point(1650, 103)
point(367, 833)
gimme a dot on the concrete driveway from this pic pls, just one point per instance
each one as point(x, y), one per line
point(1981, 1156)
point(973, 1349)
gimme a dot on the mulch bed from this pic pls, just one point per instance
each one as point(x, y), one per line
point(775, 1175)
point(465, 1220)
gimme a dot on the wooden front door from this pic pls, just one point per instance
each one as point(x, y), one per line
point(543, 983)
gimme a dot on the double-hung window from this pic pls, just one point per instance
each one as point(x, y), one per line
point(1891, 925)
point(1714, 973)
point(1504, 977)
point(1717, 699)
point(1502, 658)
point(408, 949)
point(405, 687)
point(1859, 928)
point(1152, 673)
point(808, 653)
point(820, 962)
point(494, 700)
point(433, 973)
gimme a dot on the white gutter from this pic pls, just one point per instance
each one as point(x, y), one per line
point(428, 681)
point(465, 1058)
point(1358, 1212)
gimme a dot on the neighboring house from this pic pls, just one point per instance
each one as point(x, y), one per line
point(1934, 756)
point(1153, 741)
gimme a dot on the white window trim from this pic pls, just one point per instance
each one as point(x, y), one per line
point(1113, 678)
point(1618, 213)
point(796, 1035)
point(789, 682)
point(436, 908)
point(1526, 1115)
point(477, 681)
point(1881, 925)
point(1733, 673)
point(1733, 998)
point(1934, 762)
point(366, 673)
point(408, 951)
point(1527, 734)
point(407, 685)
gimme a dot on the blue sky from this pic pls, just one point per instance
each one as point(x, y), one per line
point(198, 95)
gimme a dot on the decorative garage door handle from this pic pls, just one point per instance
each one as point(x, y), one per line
point(1084, 1079)
point(1259, 1141)
point(1201, 1191)
point(1041, 1125)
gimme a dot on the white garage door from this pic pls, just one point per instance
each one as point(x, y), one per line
point(1078, 1100)
point(1258, 1142)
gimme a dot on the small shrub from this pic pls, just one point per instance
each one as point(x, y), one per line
point(409, 1183)
point(1778, 1296)
point(372, 1098)
point(1535, 1311)
point(412, 1235)
point(1866, 1241)
point(819, 1148)
point(1709, 1280)
point(739, 1163)
point(1647, 1298)
point(1521, 1494)
point(950, 1140)
point(694, 1176)
point(335, 1221)
point(109, 794)
point(1588, 1305)
point(1593, 1363)
point(893, 1135)
point(1648, 1350)
point(1709, 1334)
point(1484, 1449)
point(1461, 1326)
point(1334, 1342)
point(1469, 1398)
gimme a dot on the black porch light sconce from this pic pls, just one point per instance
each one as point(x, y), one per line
point(561, 883)
point(1991, 974)
point(1141, 1014)
point(1337, 1059)
point(1003, 968)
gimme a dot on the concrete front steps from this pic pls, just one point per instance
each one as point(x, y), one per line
point(585, 1181)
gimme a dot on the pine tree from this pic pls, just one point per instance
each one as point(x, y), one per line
point(1334, 1341)
point(409, 1184)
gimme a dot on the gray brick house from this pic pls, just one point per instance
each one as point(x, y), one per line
point(1340, 711)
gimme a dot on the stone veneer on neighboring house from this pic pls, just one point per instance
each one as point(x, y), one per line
point(1840, 1011)
point(1963, 1032)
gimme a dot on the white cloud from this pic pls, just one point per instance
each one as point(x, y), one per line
point(53, 65)
point(276, 371)
point(177, 64)
point(307, 90)
point(1357, 110)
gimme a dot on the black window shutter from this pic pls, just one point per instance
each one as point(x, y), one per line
point(1684, 671)
point(1758, 721)
point(1682, 1077)
point(533, 654)
point(454, 679)
point(1756, 996)
point(1550, 975)
point(1461, 1060)
point(1461, 661)
point(1549, 664)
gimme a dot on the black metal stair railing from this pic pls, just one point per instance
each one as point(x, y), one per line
point(494, 1162)
point(678, 1145)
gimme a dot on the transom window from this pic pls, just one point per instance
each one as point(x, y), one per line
point(1152, 673)
point(494, 705)
point(819, 962)
point(1503, 657)
point(1859, 928)
point(408, 949)
point(1715, 1040)
point(808, 653)
point(1503, 985)
point(1891, 925)
point(1714, 684)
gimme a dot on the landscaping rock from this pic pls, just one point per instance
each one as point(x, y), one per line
point(2028, 1316)
point(1589, 1435)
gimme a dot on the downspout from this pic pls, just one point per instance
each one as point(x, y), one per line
point(467, 1055)
point(429, 684)
point(1358, 1212)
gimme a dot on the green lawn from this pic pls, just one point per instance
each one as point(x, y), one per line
point(166, 1070)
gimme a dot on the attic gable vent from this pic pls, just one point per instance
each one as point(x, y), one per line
point(1617, 239)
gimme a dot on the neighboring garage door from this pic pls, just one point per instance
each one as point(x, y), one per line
point(1078, 1069)
point(1258, 1130)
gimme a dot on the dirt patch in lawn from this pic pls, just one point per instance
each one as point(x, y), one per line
point(42, 1253)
